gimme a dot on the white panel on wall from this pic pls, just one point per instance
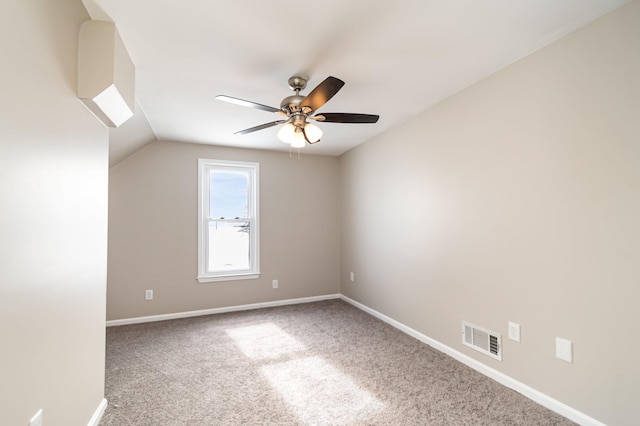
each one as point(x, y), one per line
point(106, 74)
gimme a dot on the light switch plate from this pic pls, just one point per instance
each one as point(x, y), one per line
point(564, 349)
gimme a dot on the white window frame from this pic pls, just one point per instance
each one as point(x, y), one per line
point(253, 169)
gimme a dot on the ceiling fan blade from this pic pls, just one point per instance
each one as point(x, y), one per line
point(322, 93)
point(260, 127)
point(249, 104)
point(342, 117)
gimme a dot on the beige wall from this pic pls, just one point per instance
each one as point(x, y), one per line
point(53, 221)
point(153, 230)
point(518, 199)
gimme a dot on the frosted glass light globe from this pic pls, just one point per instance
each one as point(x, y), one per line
point(298, 139)
point(314, 133)
point(286, 133)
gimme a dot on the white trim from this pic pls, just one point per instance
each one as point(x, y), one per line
point(164, 317)
point(533, 394)
point(97, 415)
point(252, 169)
point(208, 279)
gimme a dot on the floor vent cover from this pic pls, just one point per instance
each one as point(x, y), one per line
point(482, 340)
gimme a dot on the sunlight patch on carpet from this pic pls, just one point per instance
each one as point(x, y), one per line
point(265, 341)
point(318, 393)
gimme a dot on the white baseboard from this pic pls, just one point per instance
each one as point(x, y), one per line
point(97, 415)
point(188, 314)
point(537, 396)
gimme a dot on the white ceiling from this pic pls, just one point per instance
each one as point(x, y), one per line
point(396, 57)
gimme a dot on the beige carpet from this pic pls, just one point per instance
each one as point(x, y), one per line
point(324, 363)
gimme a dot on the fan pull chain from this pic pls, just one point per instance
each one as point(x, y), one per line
point(291, 153)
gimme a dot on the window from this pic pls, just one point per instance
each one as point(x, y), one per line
point(227, 220)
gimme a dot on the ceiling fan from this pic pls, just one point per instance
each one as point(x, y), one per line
point(299, 110)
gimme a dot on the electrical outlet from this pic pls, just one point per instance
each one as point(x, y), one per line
point(514, 331)
point(352, 277)
point(274, 283)
point(36, 420)
point(148, 295)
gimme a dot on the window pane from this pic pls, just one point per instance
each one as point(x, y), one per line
point(228, 246)
point(229, 194)
point(228, 222)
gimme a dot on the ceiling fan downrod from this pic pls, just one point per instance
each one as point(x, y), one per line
point(291, 104)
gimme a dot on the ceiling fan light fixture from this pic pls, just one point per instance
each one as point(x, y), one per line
point(313, 132)
point(286, 133)
point(298, 139)
point(297, 109)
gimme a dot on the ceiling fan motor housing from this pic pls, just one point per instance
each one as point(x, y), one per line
point(291, 104)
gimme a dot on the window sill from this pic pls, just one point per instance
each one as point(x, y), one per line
point(230, 277)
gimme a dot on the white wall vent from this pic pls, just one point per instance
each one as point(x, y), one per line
point(482, 340)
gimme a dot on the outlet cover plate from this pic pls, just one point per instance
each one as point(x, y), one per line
point(514, 331)
point(564, 349)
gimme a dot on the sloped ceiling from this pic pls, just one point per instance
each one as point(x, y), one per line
point(397, 59)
